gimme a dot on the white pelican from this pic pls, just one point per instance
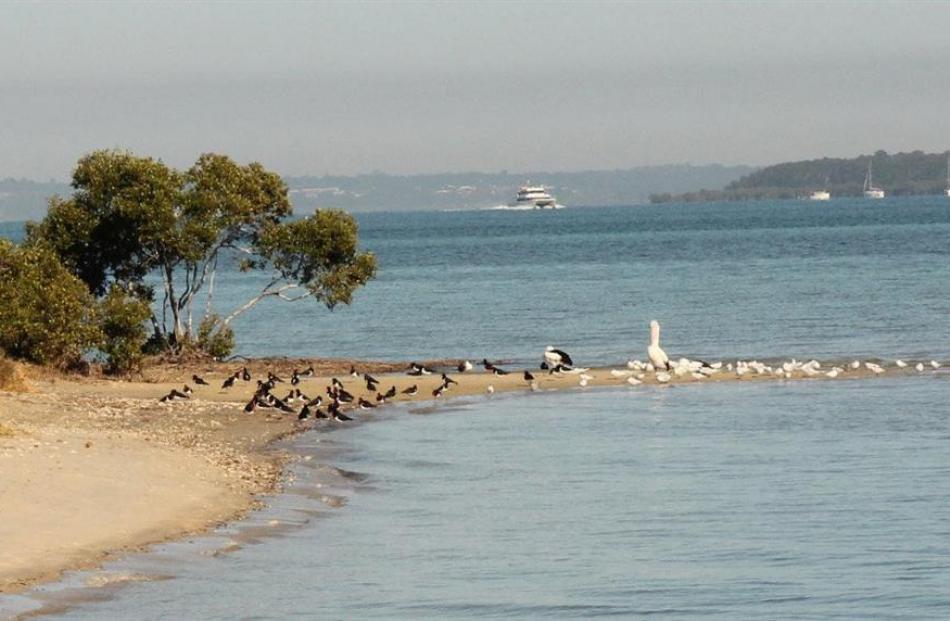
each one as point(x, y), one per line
point(658, 357)
point(919, 367)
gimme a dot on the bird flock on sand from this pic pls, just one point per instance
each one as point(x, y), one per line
point(336, 399)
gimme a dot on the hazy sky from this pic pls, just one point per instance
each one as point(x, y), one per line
point(431, 87)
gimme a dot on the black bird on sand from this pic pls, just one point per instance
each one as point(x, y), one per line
point(366, 405)
point(411, 391)
point(228, 382)
point(528, 377)
point(197, 380)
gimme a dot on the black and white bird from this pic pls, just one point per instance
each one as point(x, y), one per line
point(464, 366)
point(439, 390)
point(173, 395)
point(411, 391)
point(315, 402)
point(229, 382)
point(295, 378)
point(245, 374)
point(492, 368)
point(366, 405)
point(417, 369)
point(446, 380)
point(308, 372)
point(334, 410)
point(197, 380)
point(273, 378)
point(187, 390)
point(251, 405)
point(554, 357)
point(389, 394)
point(353, 371)
point(371, 383)
point(528, 377)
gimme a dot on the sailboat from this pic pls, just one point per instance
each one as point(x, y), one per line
point(869, 190)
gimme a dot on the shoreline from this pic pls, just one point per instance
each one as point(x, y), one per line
point(203, 462)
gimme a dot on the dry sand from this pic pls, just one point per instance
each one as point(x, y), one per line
point(89, 468)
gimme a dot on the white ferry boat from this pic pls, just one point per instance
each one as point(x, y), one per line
point(820, 195)
point(869, 190)
point(535, 197)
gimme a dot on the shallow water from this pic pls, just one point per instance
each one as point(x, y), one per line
point(799, 500)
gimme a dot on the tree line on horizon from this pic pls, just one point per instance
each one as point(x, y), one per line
point(125, 266)
point(900, 174)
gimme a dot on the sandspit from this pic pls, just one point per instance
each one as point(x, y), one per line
point(91, 468)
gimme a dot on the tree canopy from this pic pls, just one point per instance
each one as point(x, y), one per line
point(130, 216)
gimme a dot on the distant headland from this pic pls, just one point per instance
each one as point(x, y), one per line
point(900, 174)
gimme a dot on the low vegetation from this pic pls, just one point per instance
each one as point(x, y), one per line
point(11, 377)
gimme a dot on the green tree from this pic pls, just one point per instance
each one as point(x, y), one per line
point(123, 318)
point(130, 216)
point(47, 315)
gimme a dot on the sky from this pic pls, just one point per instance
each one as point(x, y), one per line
point(404, 88)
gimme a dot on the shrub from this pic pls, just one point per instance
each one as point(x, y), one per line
point(11, 377)
point(123, 329)
point(47, 315)
point(215, 338)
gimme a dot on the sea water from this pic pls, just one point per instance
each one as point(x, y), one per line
point(788, 500)
point(797, 500)
point(763, 279)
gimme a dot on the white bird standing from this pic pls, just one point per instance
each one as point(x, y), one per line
point(658, 357)
point(900, 364)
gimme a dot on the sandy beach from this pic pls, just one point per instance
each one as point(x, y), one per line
point(90, 468)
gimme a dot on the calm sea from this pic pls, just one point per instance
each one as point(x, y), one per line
point(792, 500)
